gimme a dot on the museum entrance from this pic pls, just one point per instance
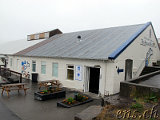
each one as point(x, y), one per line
point(94, 80)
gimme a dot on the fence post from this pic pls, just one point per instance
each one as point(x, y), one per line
point(0, 69)
point(20, 78)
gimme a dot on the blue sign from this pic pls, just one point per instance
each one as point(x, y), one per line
point(119, 70)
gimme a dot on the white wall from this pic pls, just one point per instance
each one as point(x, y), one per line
point(137, 53)
point(62, 70)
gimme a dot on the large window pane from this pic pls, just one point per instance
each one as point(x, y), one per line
point(11, 61)
point(43, 67)
point(55, 69)
point(33, 66)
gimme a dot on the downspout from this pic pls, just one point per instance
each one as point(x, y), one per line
point(105, 77)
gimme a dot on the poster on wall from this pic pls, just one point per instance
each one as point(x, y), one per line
point(78, 75)
point(148, 56)
point(25, 65)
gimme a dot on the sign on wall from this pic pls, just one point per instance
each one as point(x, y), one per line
point(78, 75)
point(25, 64)
point(148, 42)
point(148, 56)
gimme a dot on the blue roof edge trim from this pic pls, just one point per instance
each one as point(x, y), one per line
point(118, 51)
point(155, 36)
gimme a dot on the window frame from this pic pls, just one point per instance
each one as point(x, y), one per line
point(70, 69)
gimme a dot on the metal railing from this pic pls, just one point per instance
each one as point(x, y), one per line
point(10, 75)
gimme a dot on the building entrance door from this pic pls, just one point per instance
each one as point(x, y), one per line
point(94, 80)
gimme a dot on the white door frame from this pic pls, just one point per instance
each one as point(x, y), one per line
point(86, 79)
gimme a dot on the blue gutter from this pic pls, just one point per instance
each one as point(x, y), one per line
point(118, 51)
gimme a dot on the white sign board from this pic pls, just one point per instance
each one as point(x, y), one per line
point(78, 75)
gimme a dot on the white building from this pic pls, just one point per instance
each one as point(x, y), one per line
point(92, 61)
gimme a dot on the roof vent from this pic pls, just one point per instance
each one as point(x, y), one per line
point(79, 37)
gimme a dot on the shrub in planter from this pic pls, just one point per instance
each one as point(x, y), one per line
point(50, 90)
point(69, 101)
point(80, 97)
point(44, 92)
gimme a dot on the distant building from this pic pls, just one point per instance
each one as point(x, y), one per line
point(2, 59)
point(43, 35)
point(92, 61)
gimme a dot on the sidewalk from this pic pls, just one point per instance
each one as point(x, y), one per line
point(6, 114)
point(27, 108)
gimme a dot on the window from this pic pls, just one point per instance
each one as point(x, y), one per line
point(43, 67)
point(28, 37)
point(33, 66)
point(46, 35)
point(36, 36)
point(55, 69)
point(70, 72)
point(11, 61)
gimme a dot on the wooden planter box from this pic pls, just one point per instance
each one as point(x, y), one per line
point(42, 97)
point(61, 104)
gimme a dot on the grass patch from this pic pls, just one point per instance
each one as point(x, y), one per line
point(137, 106)
point(151, 98)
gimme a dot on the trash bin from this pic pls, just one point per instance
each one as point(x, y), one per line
point(34, 77)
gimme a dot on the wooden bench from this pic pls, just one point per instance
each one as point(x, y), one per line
point(10, 87)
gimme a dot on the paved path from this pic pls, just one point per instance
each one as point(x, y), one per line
point(29, 109)
point(89, 113)
point(6, 114)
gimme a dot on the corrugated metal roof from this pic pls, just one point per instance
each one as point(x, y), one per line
point(24, 51)
point(94, 44)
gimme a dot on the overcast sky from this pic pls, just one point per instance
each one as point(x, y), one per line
point(18, 18)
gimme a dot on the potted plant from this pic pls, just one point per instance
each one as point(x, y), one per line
point(77, 100)
point(50, 93)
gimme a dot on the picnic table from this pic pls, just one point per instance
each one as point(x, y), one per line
point(47, 83)
point(16, 86)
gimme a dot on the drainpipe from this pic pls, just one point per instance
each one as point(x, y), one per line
point(5, 63)
point(105, 77)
